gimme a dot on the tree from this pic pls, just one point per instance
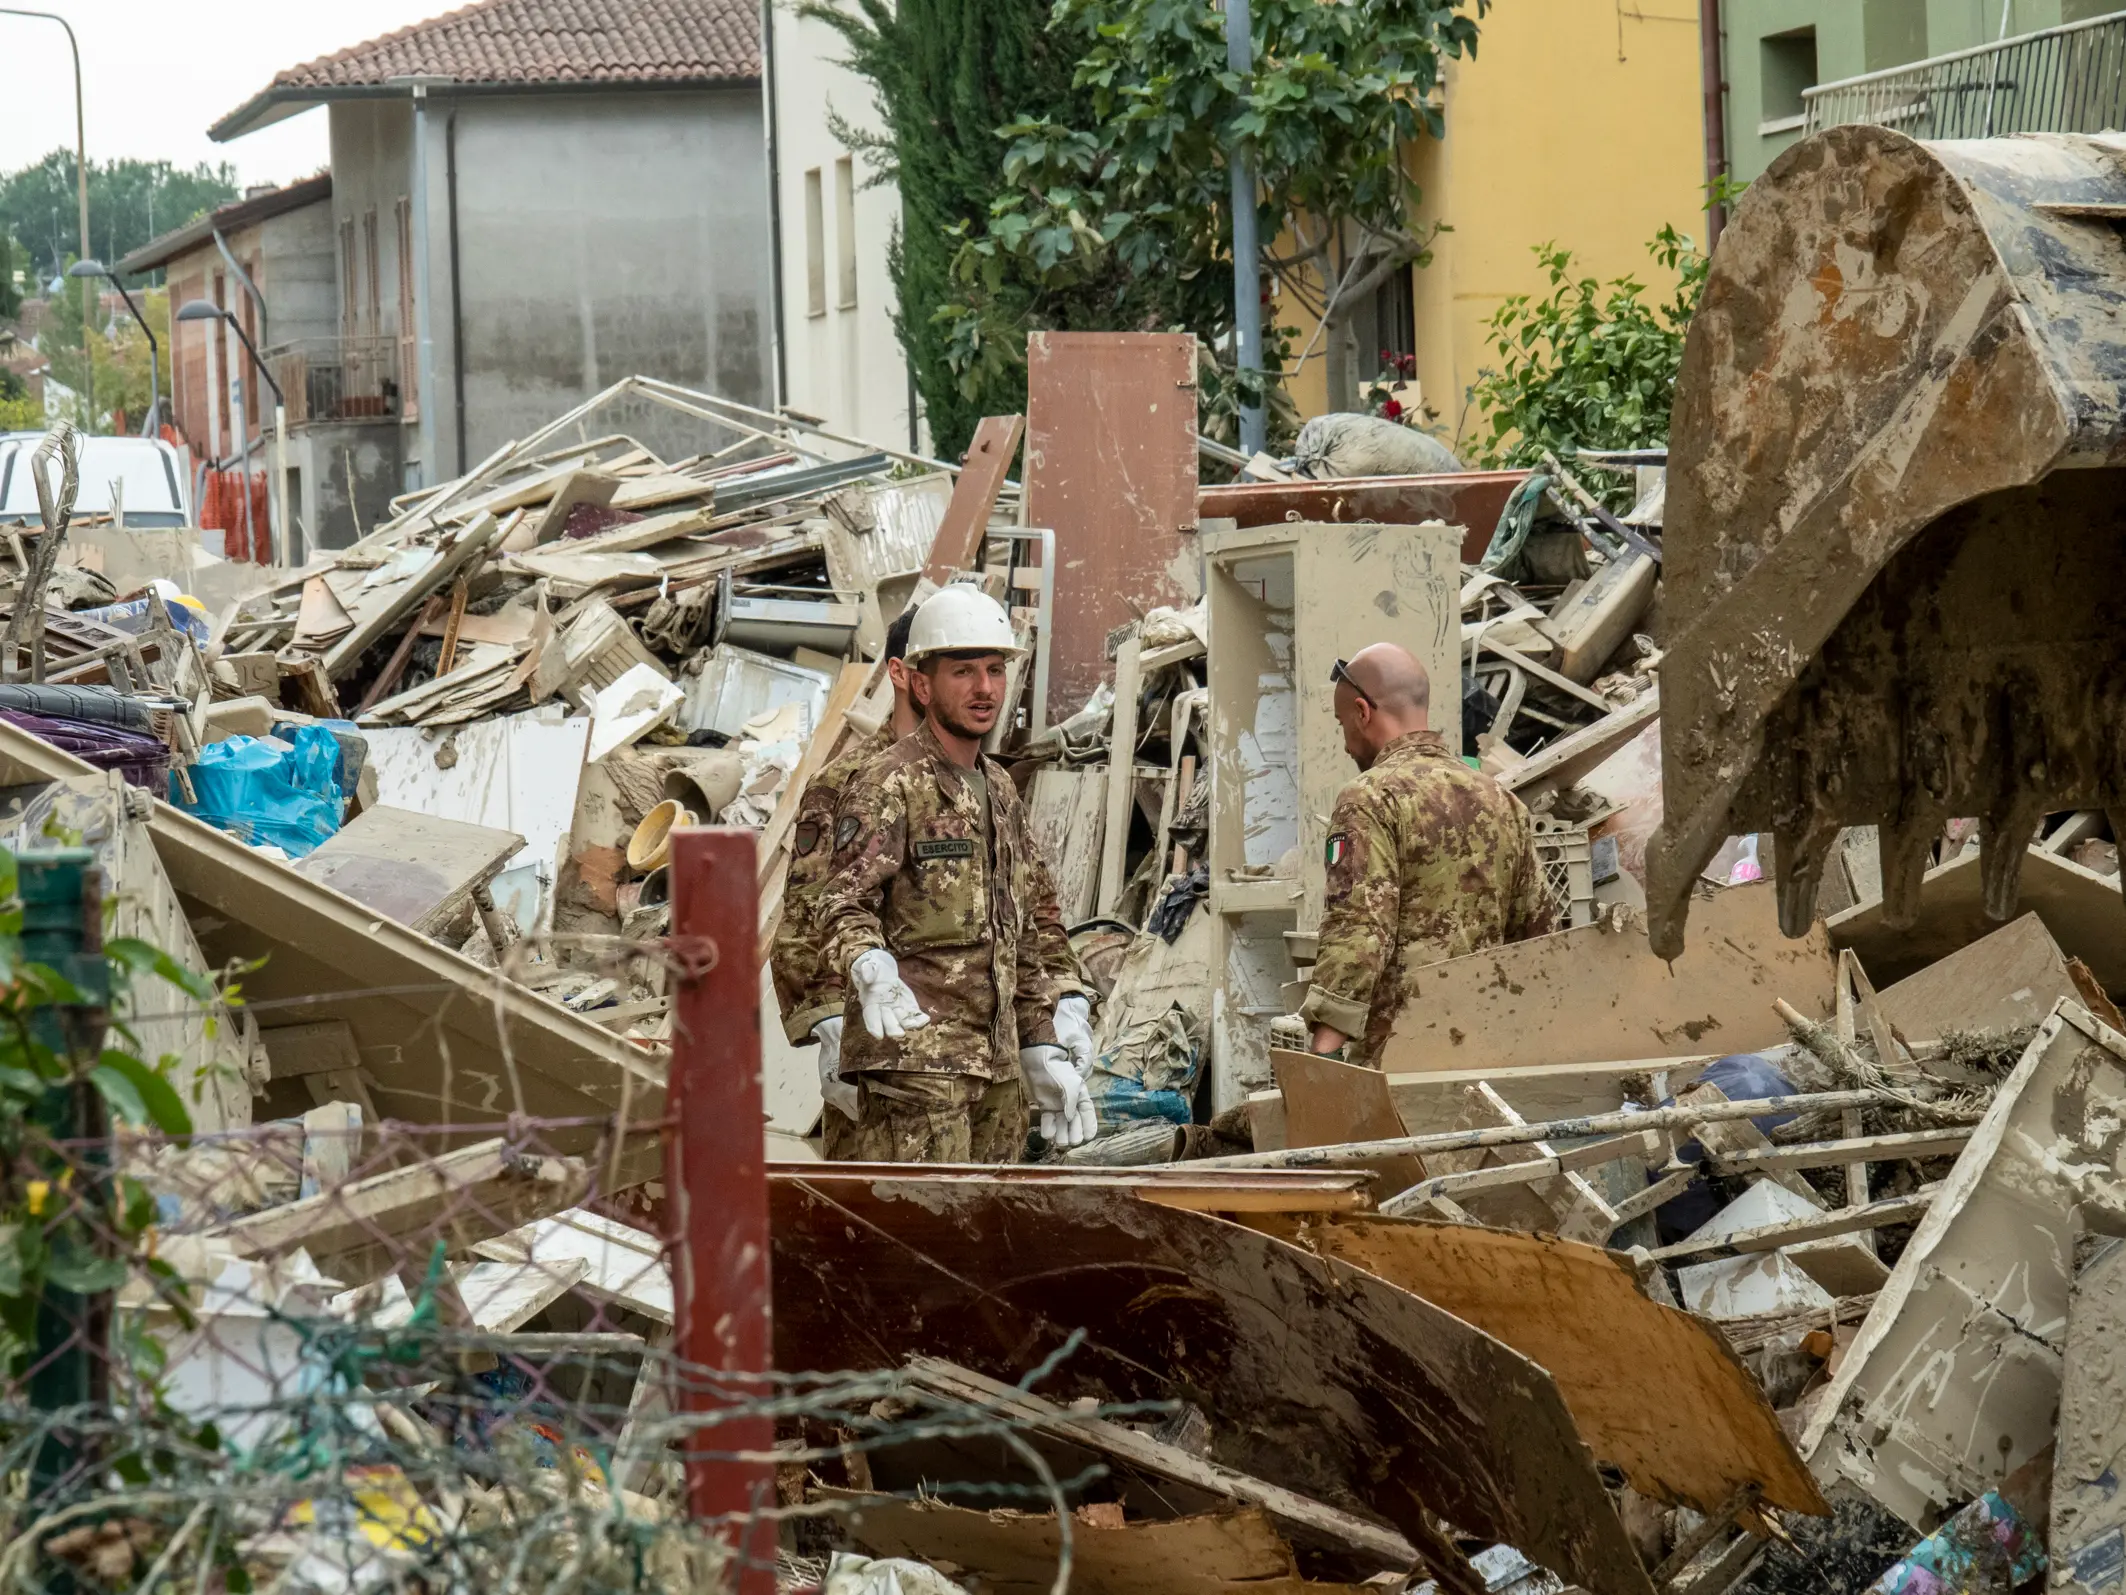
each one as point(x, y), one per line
point(1338, 92)
point(947, 74)
point(130, 203)
point(121, 352)
point(10, 291)
point(1588, 364)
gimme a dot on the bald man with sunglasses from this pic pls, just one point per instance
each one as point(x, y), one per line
point(1427, 858)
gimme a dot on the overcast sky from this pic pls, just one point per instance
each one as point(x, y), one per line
point(154, 76)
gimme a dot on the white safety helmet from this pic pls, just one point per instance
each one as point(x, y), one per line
point(959, 619)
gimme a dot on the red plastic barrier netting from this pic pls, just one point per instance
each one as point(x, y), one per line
point(221, 506)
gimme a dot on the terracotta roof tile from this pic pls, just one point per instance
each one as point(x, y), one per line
point(555, 41)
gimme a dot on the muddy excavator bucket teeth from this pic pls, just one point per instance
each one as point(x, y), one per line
point(1897, 512)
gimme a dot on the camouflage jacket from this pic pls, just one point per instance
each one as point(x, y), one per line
point(806, 986)
point(1427, 859)
point(911, 875)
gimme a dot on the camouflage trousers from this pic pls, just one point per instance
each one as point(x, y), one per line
point(907, 1117)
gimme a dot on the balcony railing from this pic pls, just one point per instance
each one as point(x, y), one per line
point(2069, 79)
point(341, 379)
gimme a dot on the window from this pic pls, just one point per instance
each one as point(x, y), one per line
point(370, 263)
point(845, 229)
point(815, 246)
point(1788, 62)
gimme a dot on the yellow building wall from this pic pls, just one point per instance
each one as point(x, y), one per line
point(1579, 121)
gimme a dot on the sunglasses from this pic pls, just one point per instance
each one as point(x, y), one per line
point(1341, 672)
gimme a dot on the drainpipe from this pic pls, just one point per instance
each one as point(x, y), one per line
point(1713, 80)
point(775, 296)
point(1247, 272)
point(457, 303)
point(423, 298)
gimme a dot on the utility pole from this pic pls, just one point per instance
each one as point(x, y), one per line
point(1247, 276)
point(81, 193)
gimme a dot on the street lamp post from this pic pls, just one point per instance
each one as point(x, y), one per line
point(81, 187)
point(204, 310)
point(97, 269)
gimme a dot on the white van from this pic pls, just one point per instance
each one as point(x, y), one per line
point(156, 477)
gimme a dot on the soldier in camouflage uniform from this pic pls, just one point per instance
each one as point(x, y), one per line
point(940, 915)
point(1427, 858)
point(808, 989)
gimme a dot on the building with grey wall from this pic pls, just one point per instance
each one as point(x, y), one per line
point(532, 199)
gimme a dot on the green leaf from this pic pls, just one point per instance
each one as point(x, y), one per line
point(119, 1093)
point(144, 958)
point(159, 1102)
point(73, 1266)
point(11, 1269)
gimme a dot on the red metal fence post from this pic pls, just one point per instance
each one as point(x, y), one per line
point(716, 1180)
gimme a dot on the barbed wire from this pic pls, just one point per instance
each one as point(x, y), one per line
point(294, 1390)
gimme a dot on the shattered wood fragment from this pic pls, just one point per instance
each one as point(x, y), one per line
point(1322, 1368)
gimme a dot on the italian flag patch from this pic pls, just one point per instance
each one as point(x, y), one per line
point(1338, 848)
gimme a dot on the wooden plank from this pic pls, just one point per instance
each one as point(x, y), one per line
point(1544, 1166)
point(460, 590)
point(974, 495)
point(417, 869)
point(1844, 1221)
point(1327, 1100)
point(1542, 672)
point(1121, 772)
point(830, 739)
point(2014, 976)
point(1595, 991)
point(378, 616)
point(1066, 811)
point(2083, 911)
point(1570, 757)
point(1953, 1382)
point(879, 1265)
point(1432, 1099)
point(466, 1195)
point(1653, 1391)
point(1299, 1516)
point(1111, 466)
point(1946, 1142)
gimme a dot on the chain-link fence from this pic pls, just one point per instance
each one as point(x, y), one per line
point(326, 1355)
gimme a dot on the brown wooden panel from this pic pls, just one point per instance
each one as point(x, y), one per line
point(1471, 500)
point(1111, 467)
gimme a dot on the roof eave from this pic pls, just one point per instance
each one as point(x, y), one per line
point(277, 105)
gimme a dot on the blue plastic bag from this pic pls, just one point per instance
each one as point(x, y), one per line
point(265, 793)
point(1150, 1072)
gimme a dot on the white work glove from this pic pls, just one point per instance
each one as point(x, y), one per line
point(890, 1008)
point(840, 1094)
point(1067, 1116)
point(1074, 1032)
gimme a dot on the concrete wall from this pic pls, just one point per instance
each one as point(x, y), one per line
point(1577, 123)
point(843, 361)
point(297, 276)
point(345, 476)
point(599, 237)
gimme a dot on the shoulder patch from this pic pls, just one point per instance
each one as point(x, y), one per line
point(845, 830)
point(807, 838)
point(945, 847)
point(1337, 848)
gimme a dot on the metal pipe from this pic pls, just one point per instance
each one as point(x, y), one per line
point(243, 279)
point(776, 330)
point(717, 1180)
point(1247, 276)
point(457, 304)
point(81, 195)
point(424, 359)
point(1712, 81)
point(1350, 1154)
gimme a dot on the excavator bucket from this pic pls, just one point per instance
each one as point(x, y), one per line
point(1896, 521)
